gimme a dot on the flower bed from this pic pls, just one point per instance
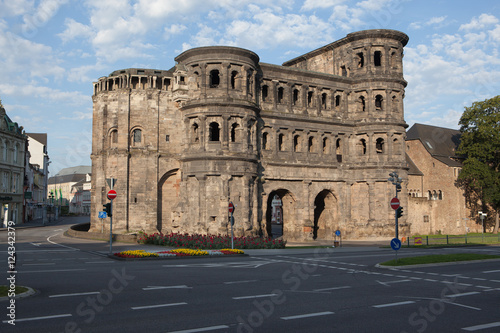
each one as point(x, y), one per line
point(209, 242)
point(177, 253)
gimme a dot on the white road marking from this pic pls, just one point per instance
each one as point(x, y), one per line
point(166, 287)
point(55, 270)
point(463, 294)
point(333, 288)
point(42, 264)
point(76, 294)
point(40, 318)
point(255, 296)
point(481, 327)
point(391, 282)
point(156, 306)
point(236, 282)
point(202, 329)
point(495, 271)
point(393, 304)
point(308, 315)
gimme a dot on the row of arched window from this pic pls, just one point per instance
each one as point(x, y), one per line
point(135, 138)
point(431, 194)
point(10, 152)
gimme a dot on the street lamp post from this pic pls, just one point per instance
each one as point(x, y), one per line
point(396, 181)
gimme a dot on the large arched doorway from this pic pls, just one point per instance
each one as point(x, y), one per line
point(168, 197)
point(280, 212)
point(325, 215)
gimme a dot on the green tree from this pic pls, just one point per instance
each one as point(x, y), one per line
point(480, 145)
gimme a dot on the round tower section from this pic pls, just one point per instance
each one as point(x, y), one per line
point(215, 90)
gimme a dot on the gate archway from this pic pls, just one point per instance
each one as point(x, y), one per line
point(168, 196)
point(284, 206)
point(325, 215)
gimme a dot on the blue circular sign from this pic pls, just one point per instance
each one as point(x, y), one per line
point(337, 233)
point(395, 244)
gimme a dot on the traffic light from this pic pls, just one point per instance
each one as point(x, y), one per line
point(399, 211)
point(107, 209)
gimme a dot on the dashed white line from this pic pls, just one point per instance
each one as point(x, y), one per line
point(325, 313)
point(479, 279)
point(393, 304)
point(255, 296)
point(430, 280)
point(42, 264)
point(166, 287)
point(156, 306)
point(41, 318)
point(495, 271)
point(76, 294)
point(54, 270)
point(236, 282)
point(333, 288)
point(462, 294)
point(481, 327)
point(202, 329)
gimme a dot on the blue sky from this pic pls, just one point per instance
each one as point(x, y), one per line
point(52, 50)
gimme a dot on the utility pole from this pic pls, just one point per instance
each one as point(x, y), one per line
point(396, 181)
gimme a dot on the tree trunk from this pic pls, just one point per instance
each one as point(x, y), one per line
point(495, 230)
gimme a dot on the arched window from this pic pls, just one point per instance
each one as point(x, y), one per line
point(136, 136)
point(264, 93)
point(323, 100)
point(234, 132)
point(362, 147)
point(429, 195)
point(434, 195)
point(377, 58)
point(113, 138)
point(214, 132)
point(15, 153)
point(195, 136)
point(310, 99)
point(337, 100)
point(440, 195)
point(214, 78)
point(325, 145)
point(396, 148)
point(281, 138)
point(378, 102)
point(338, 150)
point(296, 143)
point(379, 146)
point(234, 75)
point(265, 140)
point(361, 104)
point(295, 96)
point(361, 59)
point(281, 92)
point(311, 145)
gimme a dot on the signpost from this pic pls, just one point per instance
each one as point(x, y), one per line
point(396, 245)
point(111, 196)
point(394, 203)
point(231, 210)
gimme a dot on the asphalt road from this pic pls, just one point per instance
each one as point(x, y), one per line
point(79, 289)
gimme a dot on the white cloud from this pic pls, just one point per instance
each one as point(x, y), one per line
point(75, 30)
point(482, 22)
point(40, 16)
point(15, 8)
point(174, 29)
point(314, 4)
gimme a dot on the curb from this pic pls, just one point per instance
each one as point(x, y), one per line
point(112, 256)
point(436, 264)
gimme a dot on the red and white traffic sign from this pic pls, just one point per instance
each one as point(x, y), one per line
point(395, 203)
point(111, 194)
point(231, 207)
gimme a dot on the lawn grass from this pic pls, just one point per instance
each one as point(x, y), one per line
point(4, 290)
point(438, 258)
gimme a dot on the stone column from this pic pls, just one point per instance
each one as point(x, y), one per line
point(203, 130)
point(225, 132)
point(203, 79)
point(371, 200)
point(202, 199)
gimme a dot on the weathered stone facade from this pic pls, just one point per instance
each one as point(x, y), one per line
point(322, 131)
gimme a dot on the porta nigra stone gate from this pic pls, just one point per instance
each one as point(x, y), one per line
point(320, 133)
